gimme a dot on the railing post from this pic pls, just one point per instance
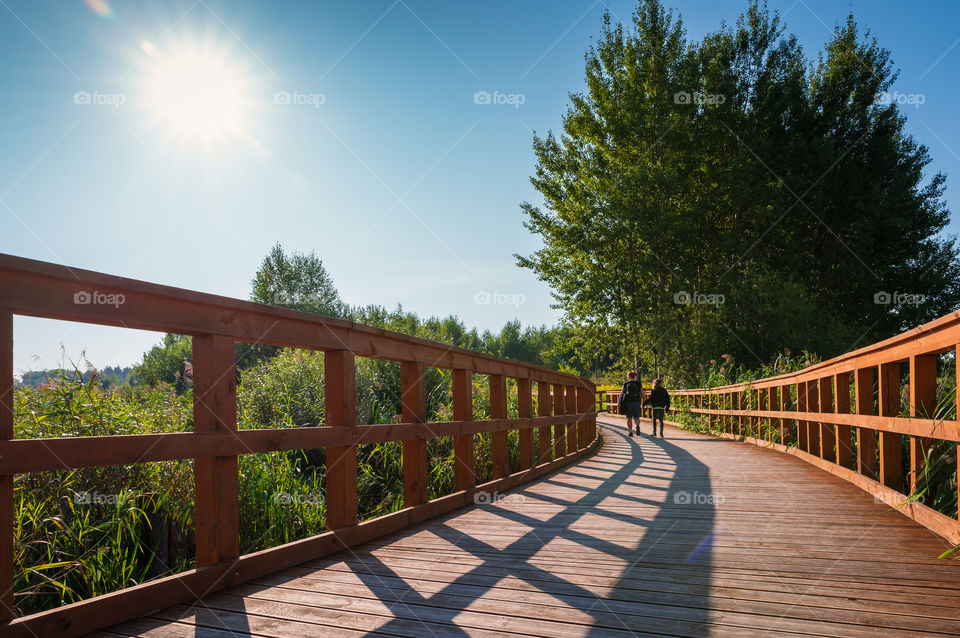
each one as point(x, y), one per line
point(828, 434)
point(844, 433)
point(923, 404)
point(866, 439)
point(570, 392)
point(583, 424)
point(544, 408)
point(6, 480)
point(773, 405)
point(216, 481)
point(784, 406)
point(802, 442)
point(413, 402)
point(525, 411)
point(340, 400)
point(464, 469)
point(560, 429)
point(813, 427)
point(891, 473)
point(956, 372)
point(498, 439)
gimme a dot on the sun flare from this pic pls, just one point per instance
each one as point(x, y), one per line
point(198, 94)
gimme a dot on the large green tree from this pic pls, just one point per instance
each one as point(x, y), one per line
point(730, 196)
point(298, 281)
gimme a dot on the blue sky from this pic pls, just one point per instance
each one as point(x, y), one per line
point(361, 140)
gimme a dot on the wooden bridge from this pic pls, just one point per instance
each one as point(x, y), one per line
point(589, 533)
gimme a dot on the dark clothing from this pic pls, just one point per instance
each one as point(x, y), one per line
point(657, 416)
point(630, 393)
point(659, 398)
point(631, 409)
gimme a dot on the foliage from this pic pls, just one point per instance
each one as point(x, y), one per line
point(169, 362)
point(298, 281)
point(781, 191)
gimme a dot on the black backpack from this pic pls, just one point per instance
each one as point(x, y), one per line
point(634, 392)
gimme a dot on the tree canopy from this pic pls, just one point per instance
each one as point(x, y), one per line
point(731, 196)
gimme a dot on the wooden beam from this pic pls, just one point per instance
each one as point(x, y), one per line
point(559, 431)
point(544, 434)
point(827, 430)
point(94, 613)
point(813, 427)
point(570, 393)
point(6, 480)
point(525, 411)
point(464, 469)
point(923, 404)
point(802, 441)
point(500, 453)
point(866, 437)
point(844, 432)
point(340, 376)
point(413, 401)
point(891, 472)
point(216, 482)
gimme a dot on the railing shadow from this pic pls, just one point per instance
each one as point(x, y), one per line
point(664, 574)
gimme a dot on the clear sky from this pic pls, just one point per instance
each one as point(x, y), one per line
point(347, 128)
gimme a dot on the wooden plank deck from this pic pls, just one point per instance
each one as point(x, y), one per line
point(678, 536)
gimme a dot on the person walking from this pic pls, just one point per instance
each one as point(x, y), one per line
point(659, 402)
point(631, 401)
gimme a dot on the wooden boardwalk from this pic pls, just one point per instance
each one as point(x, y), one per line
point(680, 536)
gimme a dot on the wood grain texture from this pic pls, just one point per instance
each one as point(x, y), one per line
point(341, 461)
point(464, 469)
point(413, 405)
point(216, 482)
point(681, 536)
point(6, 478)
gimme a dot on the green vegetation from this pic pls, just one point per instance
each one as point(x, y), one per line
point(87, 532)
point(732, 195)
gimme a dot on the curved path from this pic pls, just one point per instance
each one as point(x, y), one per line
point(678, 536)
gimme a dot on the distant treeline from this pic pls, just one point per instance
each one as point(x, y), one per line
point(110, 377)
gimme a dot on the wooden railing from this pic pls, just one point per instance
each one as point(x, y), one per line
point(565, 420)
point(811, 414)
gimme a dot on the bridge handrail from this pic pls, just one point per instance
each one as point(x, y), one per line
point(565, 419)
point(811, 414)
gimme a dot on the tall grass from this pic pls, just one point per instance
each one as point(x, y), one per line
point(83, 533)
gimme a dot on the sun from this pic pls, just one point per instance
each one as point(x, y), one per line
point(199, 95)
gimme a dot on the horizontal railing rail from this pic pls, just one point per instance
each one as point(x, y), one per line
point(565, 421)
point(844, 415)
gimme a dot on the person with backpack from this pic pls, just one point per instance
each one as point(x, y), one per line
point(631, 401)
point(659, 401)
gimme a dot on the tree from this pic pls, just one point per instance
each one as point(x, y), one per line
point(727, 196)
point(169, 362)
point(298, 281)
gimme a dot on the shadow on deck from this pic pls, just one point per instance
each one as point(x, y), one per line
point(627, 542)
